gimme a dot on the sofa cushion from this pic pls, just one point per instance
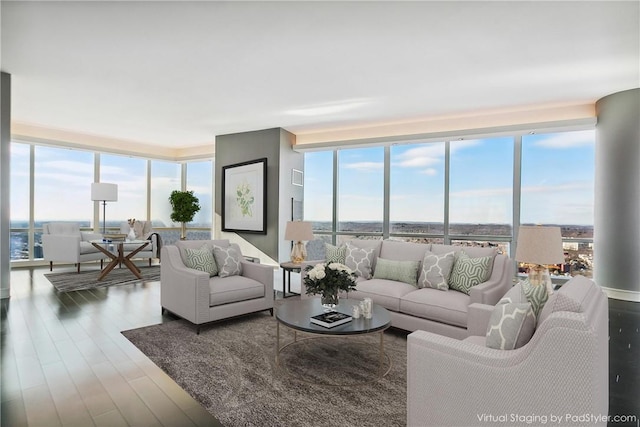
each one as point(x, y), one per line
point(468, 272)
point(316, 250)
point(335, 253)
point(472, 251)
point(536, 295)
point(403, 251)
point(360, 260)
point(386, 293)
point(202, 260)
point(477, 340)
point(446, 307)
point(402, 271)
point(225, 290)
point(511, 326)
point(63, 228)
point(88, 248)
point(228, 260)
point(436, 270)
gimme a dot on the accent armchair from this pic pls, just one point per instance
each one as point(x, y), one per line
point(143, 231)
point(200, 297)
point(562, 371)
point(64, 242)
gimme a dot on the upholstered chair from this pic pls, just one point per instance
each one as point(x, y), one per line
point(143, 231)
point(64, 242)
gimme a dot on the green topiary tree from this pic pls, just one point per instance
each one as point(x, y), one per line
point(185, 205)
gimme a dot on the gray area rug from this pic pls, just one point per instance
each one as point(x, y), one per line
point(74, 281)
point(230, 369)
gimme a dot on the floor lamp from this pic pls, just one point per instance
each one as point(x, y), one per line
point(103, 192)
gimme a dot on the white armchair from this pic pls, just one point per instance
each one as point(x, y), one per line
point(562, 371)
point(143, 231)
point(64, 242)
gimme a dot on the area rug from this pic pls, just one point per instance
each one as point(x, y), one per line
point(74, 281)
point(230, 369)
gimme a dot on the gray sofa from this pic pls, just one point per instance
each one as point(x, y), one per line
point(442, 312)
point(562, 371)
point(199, 298)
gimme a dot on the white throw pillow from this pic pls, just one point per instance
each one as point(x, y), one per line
point(228, 260)
point(436, 270)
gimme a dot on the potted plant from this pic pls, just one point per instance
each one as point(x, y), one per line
point(185, 205)
point(327, 279)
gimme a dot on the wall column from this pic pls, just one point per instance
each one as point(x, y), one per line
point(5, 223)
point(617, 195)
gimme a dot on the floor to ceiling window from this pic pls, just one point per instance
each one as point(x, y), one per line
point(360, 192)
point(165, 178)
point(199, 180)
point(130, 174)
point(416, 200)
point(558, 189)
point(21, 202)
point(465, 192)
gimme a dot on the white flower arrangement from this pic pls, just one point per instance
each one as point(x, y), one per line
point(329, 278)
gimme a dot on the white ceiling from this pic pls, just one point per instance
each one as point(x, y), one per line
point(177, 73)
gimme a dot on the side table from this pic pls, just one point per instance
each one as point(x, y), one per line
point(287, 268)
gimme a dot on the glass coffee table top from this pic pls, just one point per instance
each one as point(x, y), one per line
point(297, 314)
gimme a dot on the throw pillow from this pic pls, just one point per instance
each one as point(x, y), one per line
point(536, 294)
point(436, 270)
point(335, 253)
point(201, 259)
point(359, 260)
point(228, 260)
point(468, 272)
point(401, 271)
point(511, 326)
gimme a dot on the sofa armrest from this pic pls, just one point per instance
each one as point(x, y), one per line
point(478, 316)
point(61, 247)
point(183, 291)
point(88, 236)
point(261, 273)
point(500, 282)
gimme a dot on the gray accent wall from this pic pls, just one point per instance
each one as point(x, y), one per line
point(5, 176)
point(617, 194)
point(276, 145)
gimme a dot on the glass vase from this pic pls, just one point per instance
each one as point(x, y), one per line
point(329, 301)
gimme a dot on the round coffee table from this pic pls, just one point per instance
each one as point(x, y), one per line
point(296, 316)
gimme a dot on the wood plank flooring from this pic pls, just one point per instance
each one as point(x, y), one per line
point(64, 361)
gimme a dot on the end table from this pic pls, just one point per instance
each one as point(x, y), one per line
point(287, 268)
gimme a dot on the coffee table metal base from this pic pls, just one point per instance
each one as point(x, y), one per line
point(381, 364)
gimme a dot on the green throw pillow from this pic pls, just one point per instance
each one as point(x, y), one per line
point(468, 272)
point(536, 294)
point(335, 253)
point(401, 271)
point(201, 259)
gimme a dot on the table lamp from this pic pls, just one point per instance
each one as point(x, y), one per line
point(101, 191)
point(297, 231)
point(540, 246)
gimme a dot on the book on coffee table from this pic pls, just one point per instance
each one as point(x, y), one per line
point(331, 319)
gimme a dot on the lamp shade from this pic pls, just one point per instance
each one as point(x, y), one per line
point(104, 192)
point(298, 231)
point(539, 245)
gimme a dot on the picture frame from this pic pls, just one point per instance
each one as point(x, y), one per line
point(244, 195)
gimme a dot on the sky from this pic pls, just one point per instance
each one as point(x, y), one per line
point(557, 181)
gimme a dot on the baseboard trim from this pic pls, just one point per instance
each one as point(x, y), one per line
point(622, 294)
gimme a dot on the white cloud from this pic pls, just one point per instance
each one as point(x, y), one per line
point(365, 166)
point(566, 187)
point(567, 140)
point(429, 172)
point(482, 192)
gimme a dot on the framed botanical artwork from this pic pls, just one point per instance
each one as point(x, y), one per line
point(244, 195)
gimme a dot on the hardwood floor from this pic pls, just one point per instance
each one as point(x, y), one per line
point(65, 362)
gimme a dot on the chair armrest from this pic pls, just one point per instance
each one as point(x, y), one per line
point(500, 282)
point(183, 291)
point(478, 316)
point(61, 247)
point(259, 272)
point(88, 236)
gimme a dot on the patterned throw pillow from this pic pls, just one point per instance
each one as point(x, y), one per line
point(359, 260)
point(228, 260)
point(335, 253)
point(511, 326)
point(468, 272)
point(401, 271)
point(536, 294)
point(436, 270)
point(201, 259)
